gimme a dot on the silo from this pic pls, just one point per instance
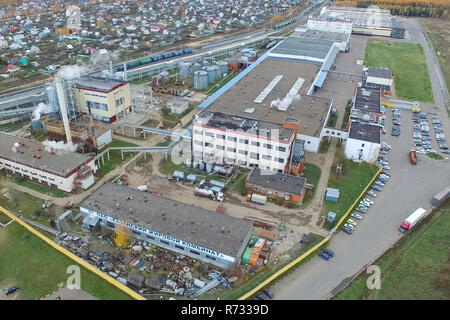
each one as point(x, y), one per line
point(36, 124)
point(201, 166)
point(185, 70)
point(205, 63)
point(217, 73)
point(223, 65)
point(209, 167)
point(200, 80)
point(196, 67)
point(211, 74)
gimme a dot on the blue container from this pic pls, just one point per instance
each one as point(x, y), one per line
point(218, 183)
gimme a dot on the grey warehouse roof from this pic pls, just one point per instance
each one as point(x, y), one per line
point(379, 73)
point(368, 99)
point(327, 35)
point(365, 132)
point(316, 48)
point(179, 220)
point(60, 164)
point(100, 84)
point(278, 181)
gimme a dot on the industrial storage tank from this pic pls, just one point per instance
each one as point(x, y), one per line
point(201, 166)
point(36, 124)
point(209, 167)
point(223, 67)
point(200, 80)
point(196, 67)
point(185, 70)
point(206, 63)
point(217, 72)
point(211, 74)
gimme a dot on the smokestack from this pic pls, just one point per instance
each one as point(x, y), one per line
point(125, 77)
point(63, 108)
point(111, 73)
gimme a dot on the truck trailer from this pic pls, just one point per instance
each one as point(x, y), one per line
point(412, 220)
point(256, 198)
point(208, 193)
point(440, 197)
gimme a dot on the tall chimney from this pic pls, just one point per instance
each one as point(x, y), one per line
point(125, 77)
point(63, 108)
point(111, 72)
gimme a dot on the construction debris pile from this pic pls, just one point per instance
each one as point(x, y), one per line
point(148, 269)
point(257, 252)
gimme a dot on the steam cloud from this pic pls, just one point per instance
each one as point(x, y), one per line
point(282, 105)
point(60, 146)
point(41, 109)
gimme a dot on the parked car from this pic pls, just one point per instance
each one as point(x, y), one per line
point(356, 216)
point(329, 252)
point(361, 209)
point(324, 256)
point(11, 290)
point(368, 200)
point(376, 188)
point(348, 226)
point(347, 230)
point(352, 222)
point(269, 293)
point(378, 182)
point(371, 193)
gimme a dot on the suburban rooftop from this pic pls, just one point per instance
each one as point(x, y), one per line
point(185, 222)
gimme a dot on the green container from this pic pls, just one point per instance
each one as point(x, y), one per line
point(23, 62)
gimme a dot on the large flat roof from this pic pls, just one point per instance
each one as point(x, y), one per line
point(311, 111)
point(98, 84)
point(316, 48)
point(179, 220)
point(364, 17)
point(252, 126)
point(368, 99)
point(365, 132)
point(278, 181)
point(61, 164)
point(327, 35)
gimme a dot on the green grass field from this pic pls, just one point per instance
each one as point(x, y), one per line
point(312, 174)
point(416, 269)
point(37, 268)
point(408, 65)
point(115, 157)
point(41, 188)
point(354, 178)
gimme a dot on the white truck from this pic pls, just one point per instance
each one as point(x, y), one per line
point(257, 198)
point(412, 220)
point(208, 193)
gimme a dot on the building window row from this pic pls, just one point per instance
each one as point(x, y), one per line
point(96, 105)
point(120, 101)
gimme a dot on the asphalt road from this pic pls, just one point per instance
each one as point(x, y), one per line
point(410, 187)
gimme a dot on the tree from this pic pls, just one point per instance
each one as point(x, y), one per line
point(275, 19)
point(122, 237)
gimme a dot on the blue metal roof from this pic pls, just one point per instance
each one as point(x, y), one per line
point(321, 79)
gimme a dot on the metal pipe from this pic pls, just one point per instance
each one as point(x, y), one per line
point(63, 108)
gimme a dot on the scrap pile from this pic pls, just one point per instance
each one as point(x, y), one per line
point(257, 252)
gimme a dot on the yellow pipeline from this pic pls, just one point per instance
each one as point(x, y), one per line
point(357, 199)
point(69, 254)
point(283, 270)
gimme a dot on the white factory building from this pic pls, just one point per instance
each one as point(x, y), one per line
point(59, 169)
point(363, 142)
point(185, 229)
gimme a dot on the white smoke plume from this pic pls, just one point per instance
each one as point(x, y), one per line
point(40, 109)
point(282, 105)
point(72, 71)
point(15, 146)
point(60, 147)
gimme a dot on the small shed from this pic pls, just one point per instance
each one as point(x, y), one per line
point(179, 175)
point(91, 222)
point(332, 195)
point(136, 280)
point(191, 177)
point(331, 216)
point(177, 105)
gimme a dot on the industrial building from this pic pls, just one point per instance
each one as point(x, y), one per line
point(107, 99)
point(363, 142)
point(177, 105)
point(379, 78)
point(63, 170)
point(276, 185)
point(367, 21)
point(366, 105)
point(201, 234)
